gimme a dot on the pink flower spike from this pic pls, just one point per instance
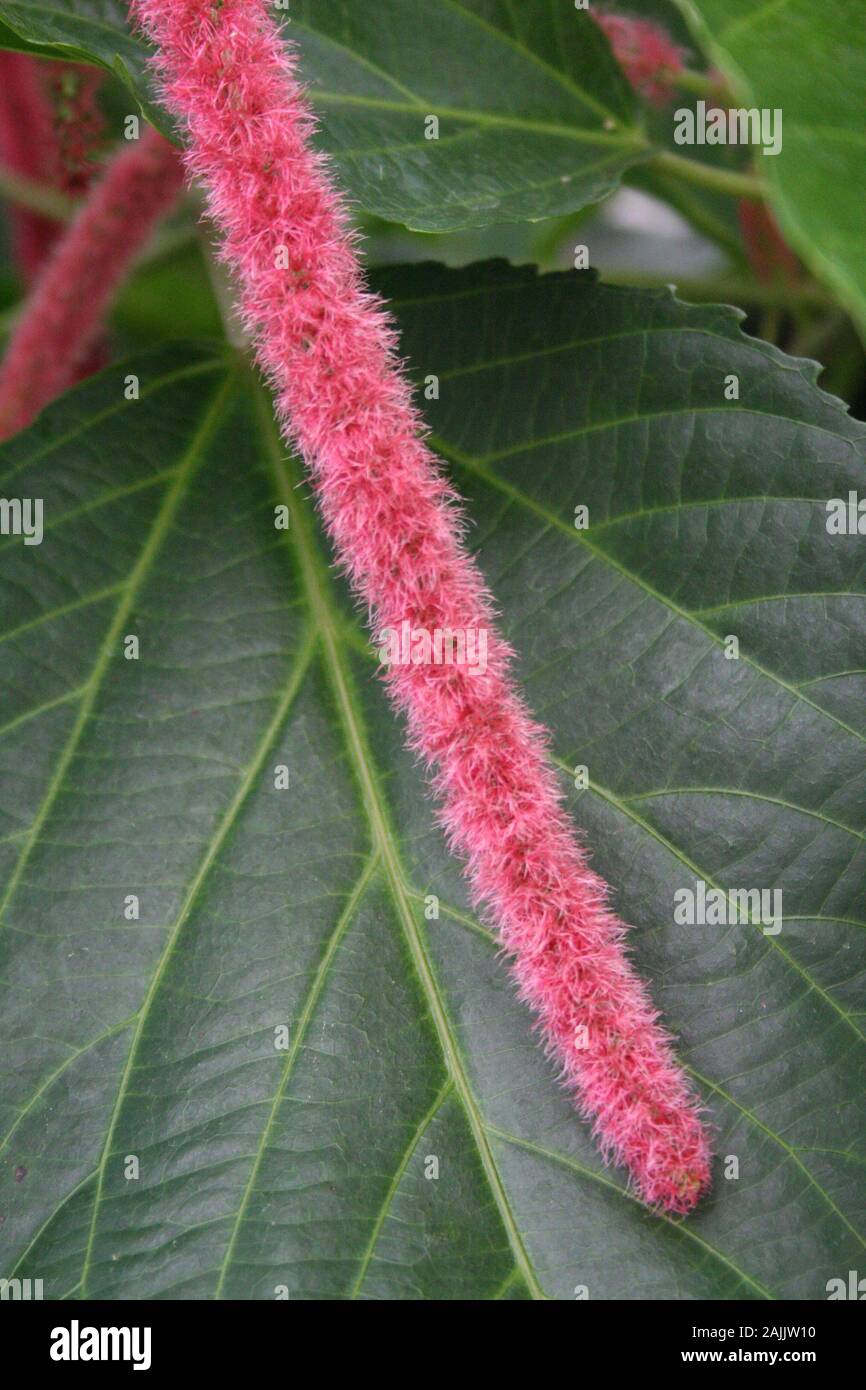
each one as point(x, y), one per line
point(79, 126)
point(329, 350)
point(646, 53)
point(28, 147)
point(63, 317)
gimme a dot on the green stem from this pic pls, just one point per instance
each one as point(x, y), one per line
point(708, 176)
point(771, 323)
point(37, 197)
point(701, 83)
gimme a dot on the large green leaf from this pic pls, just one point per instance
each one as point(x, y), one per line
point(808, 59)
point(310, 1168)
point(535, 118)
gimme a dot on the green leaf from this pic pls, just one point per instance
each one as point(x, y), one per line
point(806, 58)
point(535, 118)
point(311, 1169)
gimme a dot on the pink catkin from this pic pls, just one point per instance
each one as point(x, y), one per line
point(28, 147)
point(50, 130)
point(330, 352)
point(646, 53)
point(63, 317)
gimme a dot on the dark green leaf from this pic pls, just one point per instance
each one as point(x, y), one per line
point(535, 118)
point(309, 1168)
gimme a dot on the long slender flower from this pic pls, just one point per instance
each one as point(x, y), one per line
point(329, 350)
point(51, 129)
point(64, 315)
point(28, 147)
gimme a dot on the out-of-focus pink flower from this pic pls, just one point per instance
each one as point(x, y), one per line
point(28, 147)
point(770, 256)
point(63, 317)
point(50, 129)
point(646, 53)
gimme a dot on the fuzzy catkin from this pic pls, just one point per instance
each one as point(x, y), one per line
point(28, 147)
point(63, 317)
point(329, 351)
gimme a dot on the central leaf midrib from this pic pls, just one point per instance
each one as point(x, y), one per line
point(381, 832)
point(628, 139)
